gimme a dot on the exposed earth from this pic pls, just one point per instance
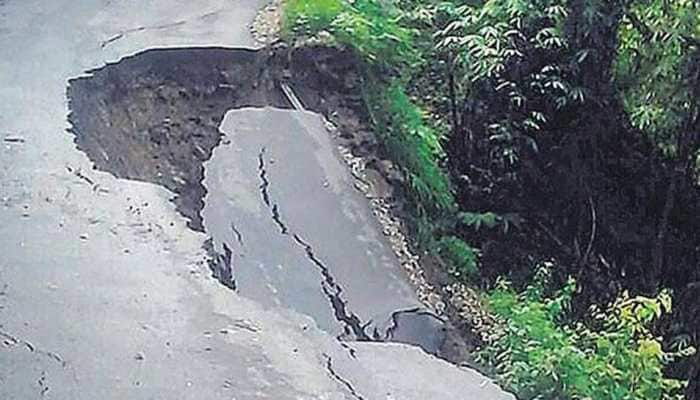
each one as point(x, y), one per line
point(170, 228)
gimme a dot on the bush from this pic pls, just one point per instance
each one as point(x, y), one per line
point(309, 17)
point(375, 32)
point(538, 356)
point(368, 27)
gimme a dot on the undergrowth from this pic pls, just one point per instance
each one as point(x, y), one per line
point(615, 355)
point(303, 17)
point(413, 144)
point(366, 26)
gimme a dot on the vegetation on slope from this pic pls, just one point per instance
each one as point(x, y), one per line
point(548, 132)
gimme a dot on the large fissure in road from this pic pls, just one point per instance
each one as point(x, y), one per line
point(352, 325)
point(157, 117)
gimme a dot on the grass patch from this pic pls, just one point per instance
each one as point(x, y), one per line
point(308, 17)
point(414, 146)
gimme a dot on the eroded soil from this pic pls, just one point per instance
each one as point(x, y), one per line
point(155, 117)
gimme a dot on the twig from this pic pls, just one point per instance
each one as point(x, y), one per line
point(551, 235)
point(593, 230)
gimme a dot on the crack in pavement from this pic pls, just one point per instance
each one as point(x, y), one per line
point(351, 351)
point(337, 377)
point(122, 34)
point(278, 220)
point(12, 341)
point(42, 384)
point(226, 273)
point(239, 237)
point(350, 320)
point(332, 290)
point(394, 323)
point(263, 178)
point(221, 265)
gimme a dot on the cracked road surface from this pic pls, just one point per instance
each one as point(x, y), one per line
point(104, 289)
point(304, 239)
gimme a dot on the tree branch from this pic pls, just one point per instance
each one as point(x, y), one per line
point(593, 230)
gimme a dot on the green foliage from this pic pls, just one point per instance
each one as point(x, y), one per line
point(485, 37)
point(489, 220)
point(483, 40)
point(372, 28)
point(414, 146)
point(657, 38)
point(308, 17)
point(539, 356)
point(376, 33)
point(462, 259)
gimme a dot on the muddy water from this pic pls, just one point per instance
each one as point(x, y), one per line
point(286, 227)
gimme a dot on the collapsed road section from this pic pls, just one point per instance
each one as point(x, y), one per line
point(266, 185)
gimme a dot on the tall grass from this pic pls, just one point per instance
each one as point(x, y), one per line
point(414, 146)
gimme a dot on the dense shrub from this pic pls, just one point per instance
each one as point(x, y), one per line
point(367, 27)
point(614, 356)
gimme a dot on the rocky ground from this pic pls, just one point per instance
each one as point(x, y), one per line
point(266, 26)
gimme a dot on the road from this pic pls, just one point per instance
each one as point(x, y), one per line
point(104, 289)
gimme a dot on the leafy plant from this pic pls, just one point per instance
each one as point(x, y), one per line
point(616, 356)
point(657, 42)
point(414, 145)
point(376, 33)
point(482, 41)
point(462, 259)
point(308, 17)
point(369, 27)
